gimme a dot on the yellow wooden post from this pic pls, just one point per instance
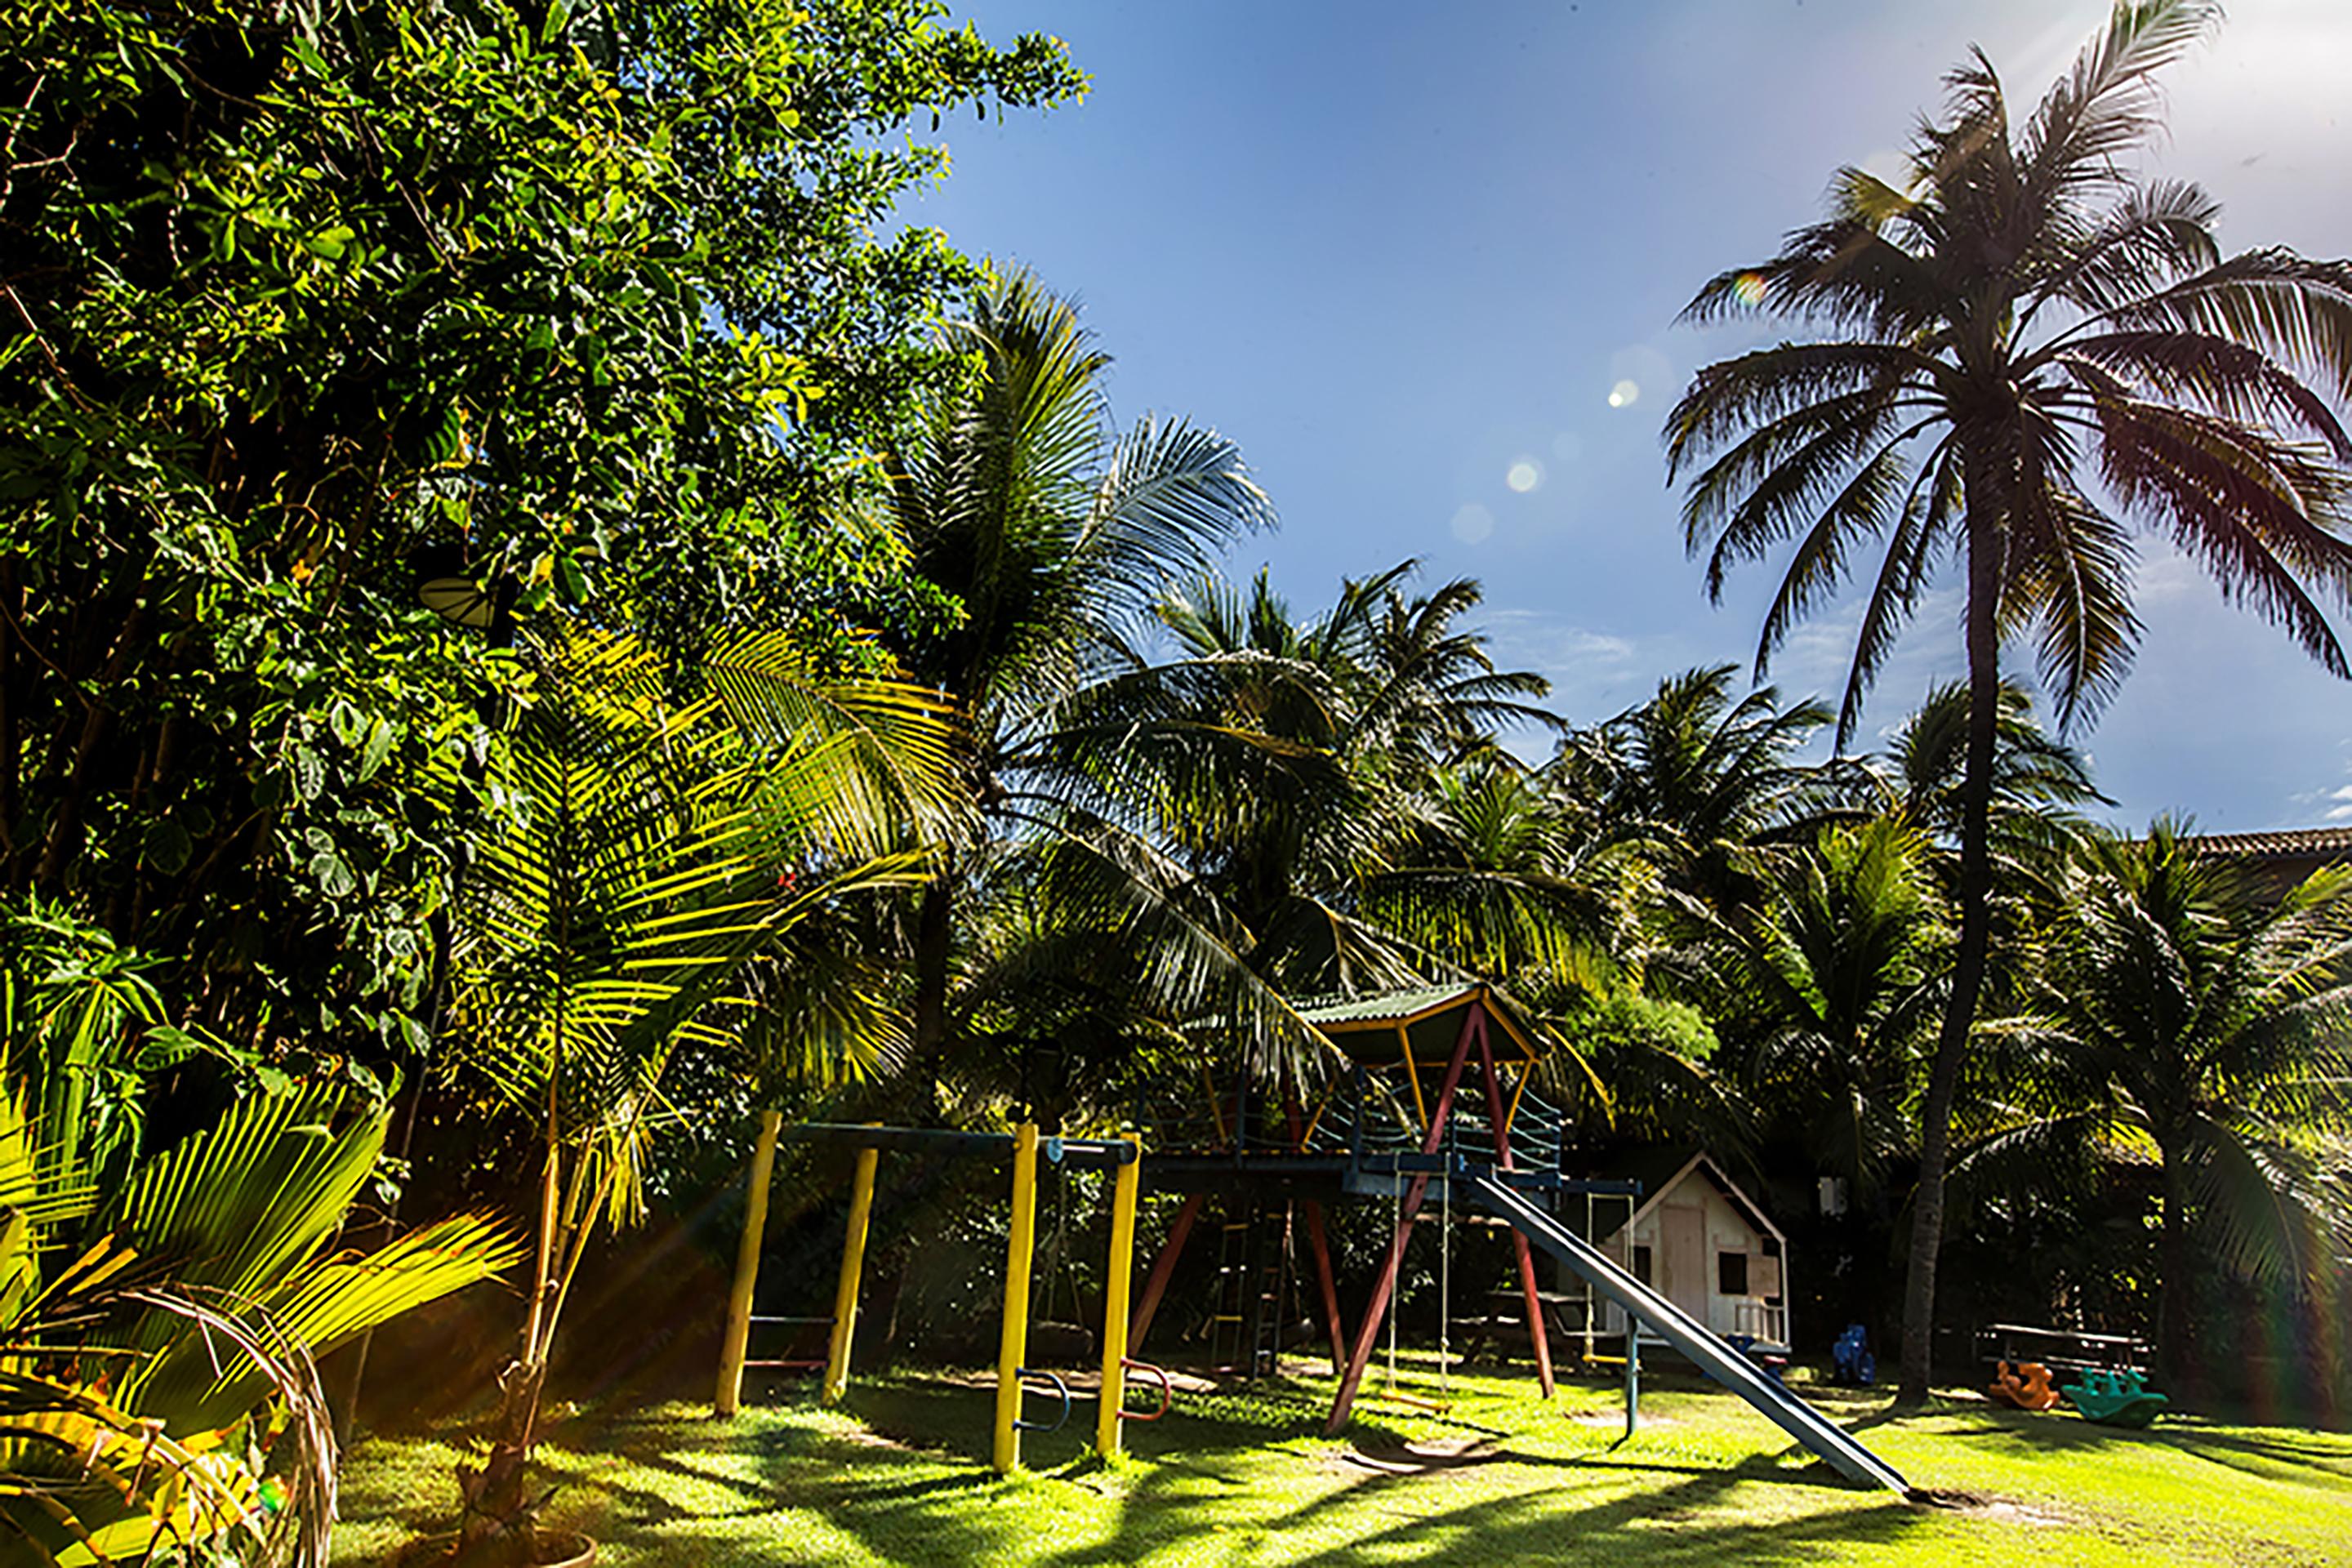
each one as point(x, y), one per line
point(738, 1340)
point(1126, 1181)
point(1019, 1255)
point(853, 1262)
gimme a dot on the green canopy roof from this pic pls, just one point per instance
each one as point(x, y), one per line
point(1421, 1026)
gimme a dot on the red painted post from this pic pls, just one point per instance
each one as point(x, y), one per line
point(1369, 1331)
point(1330, 1286)
point(1162, 1267)
point(1518, 1240)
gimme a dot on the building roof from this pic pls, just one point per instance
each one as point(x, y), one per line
point(1660, 1168)
point(2297, 843)
point(1421, 1026)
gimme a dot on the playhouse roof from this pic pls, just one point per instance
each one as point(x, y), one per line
point(1421, 1026)
point(1663, 1167)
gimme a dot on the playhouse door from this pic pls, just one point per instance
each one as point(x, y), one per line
point(1682, 1232)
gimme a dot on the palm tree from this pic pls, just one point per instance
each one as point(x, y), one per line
point(2038, 783)
point(2215, 1018)
point(1295, 804)
point(1842, 970)
point(1371, 707)
point(658, 855)
point(2037, 779)
point(1055, 532)
point(1699, 780)
point(157, 1318)
point(2025, 348)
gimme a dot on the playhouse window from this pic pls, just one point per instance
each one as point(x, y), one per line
point(1731, 1274)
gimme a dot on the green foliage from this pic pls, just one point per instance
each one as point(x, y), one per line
point(1843, 964)
point(589, 298)
point(660, 849)
point(1627, 1020)
point(158, 1340)
point(2207, 1017)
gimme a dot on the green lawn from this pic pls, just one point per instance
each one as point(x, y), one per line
point(897, 1476)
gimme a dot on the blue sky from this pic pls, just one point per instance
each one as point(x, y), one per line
point(1423, 263)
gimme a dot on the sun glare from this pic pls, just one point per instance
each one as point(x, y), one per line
point(1472, 523)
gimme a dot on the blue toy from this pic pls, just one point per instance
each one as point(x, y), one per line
point(1851, 1361)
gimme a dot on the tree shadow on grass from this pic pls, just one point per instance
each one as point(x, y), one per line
point(1668, 1525)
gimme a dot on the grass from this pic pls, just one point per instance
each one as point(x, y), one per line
point(898, 1476)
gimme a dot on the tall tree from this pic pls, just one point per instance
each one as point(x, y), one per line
point(2214, 1015)
point(2026, 349)
point(1841, 973)
point(588, 298)
point(660, 846)
point(1015, 493)
point(1698, 779)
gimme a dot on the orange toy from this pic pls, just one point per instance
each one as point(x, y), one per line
point(2026, 1385)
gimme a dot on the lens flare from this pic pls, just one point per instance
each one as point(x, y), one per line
point(1524, 474)
point(1749, 287)
point(1472, 523)
point(1624, 395)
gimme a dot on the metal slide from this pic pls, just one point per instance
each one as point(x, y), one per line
point(1704, 1349)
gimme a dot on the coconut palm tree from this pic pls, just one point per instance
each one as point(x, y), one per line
point(1054, 531)
point(1372, 705)
point(1699, 780)
point(2039, 785)
point(1843, 971)
point(2214, 1017)
point(2038, 782)
point(2025, 351)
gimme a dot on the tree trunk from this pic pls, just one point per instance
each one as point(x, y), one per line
point(2174, 1284)
point(934, 932)
point(497, 1499)
point(1985, 549)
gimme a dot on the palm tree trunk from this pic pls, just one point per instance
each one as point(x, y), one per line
point(1968, 967)
point(934, 935)
point(2174, 1284)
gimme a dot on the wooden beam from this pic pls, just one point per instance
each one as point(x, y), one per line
point(736, 1345)
point(1162, 1268)
point(1368, 1332)
point(1526, 1262)
point(1412, 1073)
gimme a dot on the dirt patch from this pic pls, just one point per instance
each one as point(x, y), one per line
point(1615, 1420)
point(2005, 1510)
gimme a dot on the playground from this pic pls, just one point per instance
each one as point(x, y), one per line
point(1614, 1425)
point(898, 1473)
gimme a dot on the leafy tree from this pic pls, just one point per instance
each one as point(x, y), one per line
point(2038, 780)
point(1698, 781)
point(2025, 348)
point(577, 302)
point(1843, 972)
point(2211, 1015)
point(1360, 707)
